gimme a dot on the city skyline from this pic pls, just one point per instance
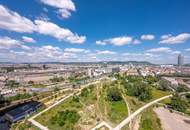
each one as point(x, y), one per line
point(77, 31)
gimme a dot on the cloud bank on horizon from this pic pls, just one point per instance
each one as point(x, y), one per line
point(53, 34)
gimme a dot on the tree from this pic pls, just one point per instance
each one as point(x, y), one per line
point(188, 96)
point(139, 89)
point(56, 89)
point(113, 94)
point(85, 92)
point(177, 103)
point(181, 88)
point(67, 117)
point(2, 99)
point(151, 79)
point(12, 83)
point(57, 79)
point(44, 66)
point(30, 82)
point(164, 85)
point(76, 98)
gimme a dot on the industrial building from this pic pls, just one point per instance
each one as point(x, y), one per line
point(21, 112)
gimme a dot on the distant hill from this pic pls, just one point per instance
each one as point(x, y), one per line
point(101, 62)
point(130, 62)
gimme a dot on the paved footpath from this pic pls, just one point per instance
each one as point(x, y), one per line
point(132, 116)
point(103, 123)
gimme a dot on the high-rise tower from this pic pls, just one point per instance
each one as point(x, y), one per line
point(180, 60)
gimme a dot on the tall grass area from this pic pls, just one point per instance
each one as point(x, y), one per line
point(117, 111)
point(150, 121)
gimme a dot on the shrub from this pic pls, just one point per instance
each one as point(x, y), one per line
point(85, 92)
point(76, 98)
point(113, 94)
point(177, 103)
point(67, 117)
point(139, 89)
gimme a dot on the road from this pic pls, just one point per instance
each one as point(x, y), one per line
point(172, 121)
point(133, 115)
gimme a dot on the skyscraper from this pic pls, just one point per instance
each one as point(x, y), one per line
point(180, 60)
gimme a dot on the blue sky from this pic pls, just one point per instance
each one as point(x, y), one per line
point(95, 30)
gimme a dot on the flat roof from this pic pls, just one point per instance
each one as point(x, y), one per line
point(23, 108)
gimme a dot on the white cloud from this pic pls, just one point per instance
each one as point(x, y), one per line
point(28, 39)
point(166, 36)
point(175, 52)
point(74, 50)
point(101, 43)
point(188, 49)
point(169, 39)
point(160, 50)
point(136, 41)
point(106, 52)
point(117, 41)
point(69, 55)
point(14, 22)
point(147, 37)
point(8, 43)
point(140, 56)
point(64, 13)
point(64, 6)
point(51, 29)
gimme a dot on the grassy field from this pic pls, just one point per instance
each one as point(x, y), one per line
point(150, 121)
point(159, 93)
point(117, 112)
point(45, 117)
point(39, 85)
point(23, 126)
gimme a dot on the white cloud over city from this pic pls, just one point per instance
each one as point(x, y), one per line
point(147, 37)
point(65, 7)
point(180, 38)
point(160, 50)
point(28, 39)
point(13, 21)
point(117, 41)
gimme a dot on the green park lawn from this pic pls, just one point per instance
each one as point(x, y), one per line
point(86, 107)
point(39, 85)
point(118, 111)
point(159, 93)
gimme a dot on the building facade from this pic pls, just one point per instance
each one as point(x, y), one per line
point(180, 60)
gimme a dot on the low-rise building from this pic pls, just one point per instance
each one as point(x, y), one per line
point(21, 112)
